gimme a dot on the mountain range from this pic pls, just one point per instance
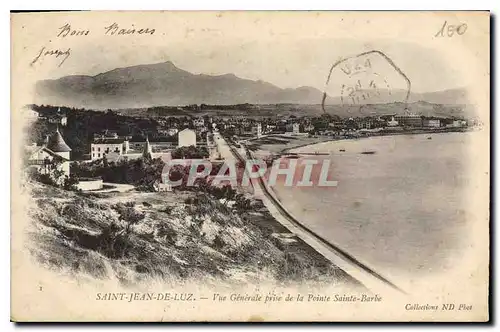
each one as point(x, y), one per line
point(164, 84)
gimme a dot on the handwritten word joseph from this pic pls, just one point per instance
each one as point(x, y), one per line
point(114, 29)
point(44, 52)
point(68, 31)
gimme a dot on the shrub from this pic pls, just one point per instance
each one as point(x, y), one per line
point(113, 241)
point(70, 183)
point(128, 215)
point(190, 152)
point(142, 173)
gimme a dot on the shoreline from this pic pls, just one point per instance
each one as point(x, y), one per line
point(378, 134)
point(378, 218)
point(328, 250)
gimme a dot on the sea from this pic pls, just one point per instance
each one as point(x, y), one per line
point(402, 210)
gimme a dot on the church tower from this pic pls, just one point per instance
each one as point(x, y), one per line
point(148, 150)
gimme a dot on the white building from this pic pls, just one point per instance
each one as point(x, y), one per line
point(293, 128)
point(58, 118)
point(99, 148)
point(55, 147)
point(187, 137)
point(459, 123)
point(62, 120)
point(254, 130)
point(257, 130)
point(168, 131)
point(116, 150)
point(432, 123)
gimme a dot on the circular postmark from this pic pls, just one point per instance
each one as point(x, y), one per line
point(367, 78)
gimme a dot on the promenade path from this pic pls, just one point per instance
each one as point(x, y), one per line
point(351, 265)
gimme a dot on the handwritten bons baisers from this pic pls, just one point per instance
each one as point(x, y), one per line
point(67, 31)
point(113, 29)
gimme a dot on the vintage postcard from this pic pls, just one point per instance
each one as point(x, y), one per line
point(250, 166)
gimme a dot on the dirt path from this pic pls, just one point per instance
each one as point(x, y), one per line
point(117, 187)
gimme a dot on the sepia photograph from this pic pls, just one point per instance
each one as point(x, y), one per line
point(250, 166)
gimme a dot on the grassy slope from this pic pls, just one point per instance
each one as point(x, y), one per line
point(205, 240)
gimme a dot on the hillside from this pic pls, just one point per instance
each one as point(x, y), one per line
point(164, 84)
point(170, 237)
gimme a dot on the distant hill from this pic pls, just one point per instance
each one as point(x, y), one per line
point(299, 110)
point(420, 108)
point(165, 84)
point(451, 97)
point(445, 97)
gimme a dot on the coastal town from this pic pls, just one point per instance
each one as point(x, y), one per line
point(267, 166)
point(116, 160)
point(187, 137)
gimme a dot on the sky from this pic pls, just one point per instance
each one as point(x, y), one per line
point(285, 49)
point(284, 64)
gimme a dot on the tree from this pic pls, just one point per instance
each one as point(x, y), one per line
point(143, 172)
point(190, 152)
point(129, 215)
point(50, 172)
point(70, 183)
